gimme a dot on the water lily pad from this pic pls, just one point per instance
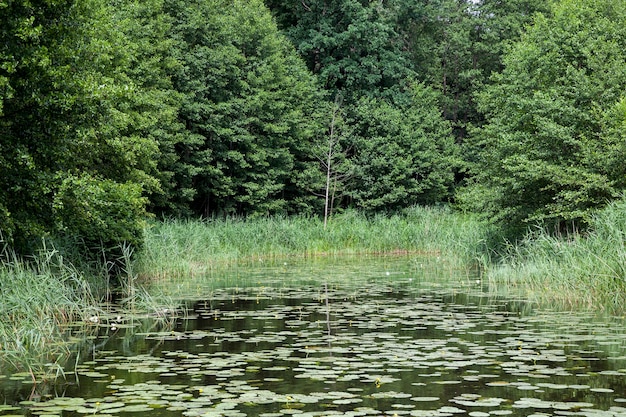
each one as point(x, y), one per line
point(477, 402)
point(604, 390)
point(5, 407)
point(278, 348)
point(451, 410)
point(347, 401)
point(390, 394)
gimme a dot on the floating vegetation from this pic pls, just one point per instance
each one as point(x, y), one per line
point(360, 348)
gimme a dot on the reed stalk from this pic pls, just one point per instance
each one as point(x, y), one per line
point(40, 297)
point(184, 248)
point(579, 270)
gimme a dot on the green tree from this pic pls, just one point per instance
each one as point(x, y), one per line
point(402, 155)
point(455, 45)
point(246, 107)
point(151, 62)
point(607, 155)
point(400, 149)
point(68, 120)
point(547, 148)
point(350, 45)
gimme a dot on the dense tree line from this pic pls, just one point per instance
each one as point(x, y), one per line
point(552, 148)
point(112, 111)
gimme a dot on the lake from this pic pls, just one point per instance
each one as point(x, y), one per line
point(373, 336)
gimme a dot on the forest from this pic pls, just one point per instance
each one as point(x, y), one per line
point(113, 112)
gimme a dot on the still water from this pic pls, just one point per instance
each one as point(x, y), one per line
point(378, 336)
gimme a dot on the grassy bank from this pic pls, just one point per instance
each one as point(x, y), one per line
point(583, 270)
point(186, 248)
point(41, 298)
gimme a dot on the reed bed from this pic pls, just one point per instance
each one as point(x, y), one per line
point(580, 270)
point(176, 248)
point(40, 298)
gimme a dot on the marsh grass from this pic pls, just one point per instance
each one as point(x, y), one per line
point(579, 270)
point(50, 308)
point(187, 248)
point(41, 297)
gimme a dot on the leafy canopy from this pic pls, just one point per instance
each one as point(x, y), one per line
point(554, 119)
point(71, 149)
point(246, 106)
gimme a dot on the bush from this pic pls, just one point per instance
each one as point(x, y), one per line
point(103, 213)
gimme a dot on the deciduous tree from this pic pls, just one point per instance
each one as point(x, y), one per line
point(547, 149)
point(403, 155)
point(350, 45)
point(246, 102)
point(70, 149)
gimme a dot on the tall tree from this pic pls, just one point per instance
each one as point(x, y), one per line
point(402, 155)
point(245, 106)
point(547, 147)
point(400, 149)
point(71, 161)
point(156, 104)
point(351, 45)
point(455, 45)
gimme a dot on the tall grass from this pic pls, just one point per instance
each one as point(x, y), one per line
point(40, 298)
point(580, 270)
point(193, 247)
point(42, 295)
point(49, 306)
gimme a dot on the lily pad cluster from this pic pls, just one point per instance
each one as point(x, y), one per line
point(384, 348)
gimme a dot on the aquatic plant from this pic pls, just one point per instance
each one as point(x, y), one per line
point(395, 348)
point(577, 270)
point(181, 248)
point(40, 297)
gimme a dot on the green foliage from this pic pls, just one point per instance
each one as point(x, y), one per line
point(192, 248)
point(246, 105)
point(575, 270)
point(101, 212)
point(400, 149)
point(351, 45)
point(547, 153)
point(455, 45)
point(402, 155)
point(441, 38)
point(39, 299)
point(152, 113)
point(72, 111)
point(203, 107)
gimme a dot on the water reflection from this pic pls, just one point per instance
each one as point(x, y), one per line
point(371, 343)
